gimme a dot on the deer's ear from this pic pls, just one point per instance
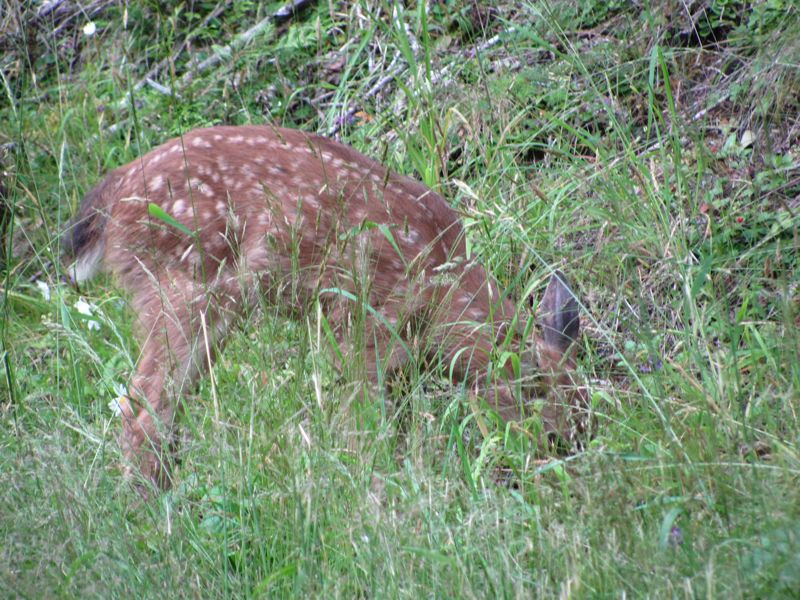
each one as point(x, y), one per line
point(559, 314)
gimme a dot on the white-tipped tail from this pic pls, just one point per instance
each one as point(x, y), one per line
point(87, 263)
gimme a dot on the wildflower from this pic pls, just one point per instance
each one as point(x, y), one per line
point(83, 307)
point(89, 29)
point(120, 403)
point(44, 289)
point(675, 536)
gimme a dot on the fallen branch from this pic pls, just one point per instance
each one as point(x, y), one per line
point(394, 70)
point(149, 76)
point(279, 17)
point(436, 78)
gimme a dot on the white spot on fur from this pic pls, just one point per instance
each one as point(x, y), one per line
point(156, 183)
point(200, 142)
point(411, 237)
point(464, 299)
point(178, 208)
point(257, 256)
point(477, 313)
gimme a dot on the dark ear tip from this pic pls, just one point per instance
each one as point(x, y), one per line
point(559, 313)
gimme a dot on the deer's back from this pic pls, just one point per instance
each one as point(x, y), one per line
point(278, 203)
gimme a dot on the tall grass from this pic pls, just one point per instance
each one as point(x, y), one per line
point(567, 135)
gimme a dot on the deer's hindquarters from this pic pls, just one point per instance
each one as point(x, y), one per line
point(207, 223)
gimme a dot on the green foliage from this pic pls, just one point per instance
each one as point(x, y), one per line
point(652, 155)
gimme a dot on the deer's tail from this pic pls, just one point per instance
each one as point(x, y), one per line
point(83, 240)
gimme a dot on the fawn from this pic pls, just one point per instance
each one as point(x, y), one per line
point(211, 222)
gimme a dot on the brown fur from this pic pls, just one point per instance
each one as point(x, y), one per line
point(294, 217)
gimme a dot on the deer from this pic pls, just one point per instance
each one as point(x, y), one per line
point(222, 218)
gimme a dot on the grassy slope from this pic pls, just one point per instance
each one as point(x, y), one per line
point(658, 168)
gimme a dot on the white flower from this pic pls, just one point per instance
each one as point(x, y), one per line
point(119, 404)
point(44, 289)
point(83, 307)
point(90, 28)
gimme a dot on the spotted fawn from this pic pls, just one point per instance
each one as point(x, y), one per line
point(227, 217)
